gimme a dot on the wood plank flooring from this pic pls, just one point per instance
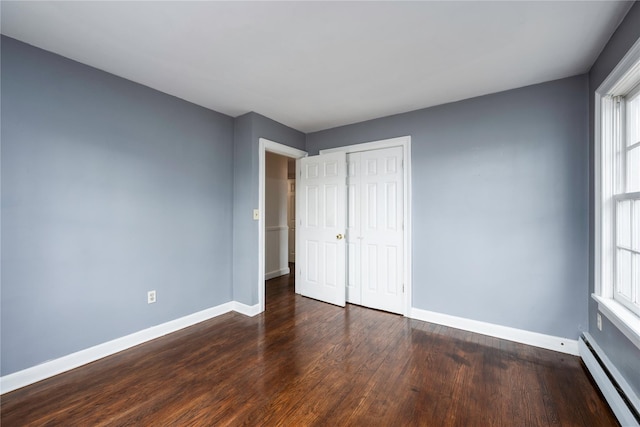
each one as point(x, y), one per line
point(303, 362)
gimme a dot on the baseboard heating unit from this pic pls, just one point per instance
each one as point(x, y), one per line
point(624, 403)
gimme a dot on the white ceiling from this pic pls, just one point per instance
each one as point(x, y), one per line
point(316, 65)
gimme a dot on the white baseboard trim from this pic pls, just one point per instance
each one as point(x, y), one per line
point(536, 339)
point(276, 273)
point(71, 361)
point(247, 310)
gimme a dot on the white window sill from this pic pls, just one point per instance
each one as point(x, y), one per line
point(627, 322)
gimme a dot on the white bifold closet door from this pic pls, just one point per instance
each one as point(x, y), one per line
point(375, 247)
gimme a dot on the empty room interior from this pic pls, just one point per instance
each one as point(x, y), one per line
point(320, 213)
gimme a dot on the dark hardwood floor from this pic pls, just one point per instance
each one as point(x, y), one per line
point(303, 362)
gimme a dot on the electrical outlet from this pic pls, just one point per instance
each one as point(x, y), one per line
point(256, 214)
point(599, 321)
point(151, 297)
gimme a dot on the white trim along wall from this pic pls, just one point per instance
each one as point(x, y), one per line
point(71, 361)
point(54, 367)
point(550, 342)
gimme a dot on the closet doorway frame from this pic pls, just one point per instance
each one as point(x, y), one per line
point(405, 143)
point(285, 150)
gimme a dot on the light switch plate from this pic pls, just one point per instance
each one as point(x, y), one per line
point(256, 214)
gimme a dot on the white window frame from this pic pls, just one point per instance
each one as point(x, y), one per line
point(622, 148)
point(622, 81)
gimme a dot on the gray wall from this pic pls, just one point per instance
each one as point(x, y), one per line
point(249, 128)
point(618, 348)
point(500, 204)
point(109, 189)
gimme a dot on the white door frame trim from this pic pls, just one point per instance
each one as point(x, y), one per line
point(265, 145)
point(405, 143)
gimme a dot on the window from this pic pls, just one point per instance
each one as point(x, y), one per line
point(626, 199)
point(618, 196)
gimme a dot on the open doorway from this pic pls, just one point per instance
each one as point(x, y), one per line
point(274, 197)
point(279, 215)
point(279, 225)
